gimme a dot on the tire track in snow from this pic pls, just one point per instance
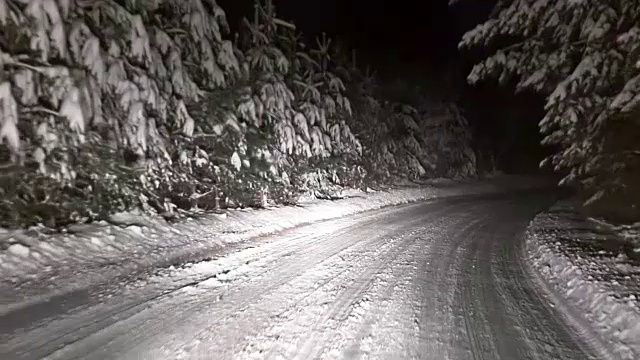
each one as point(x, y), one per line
point(315, 343)
point(528, 311)
point(221, 320)
point(389, 328)
point(85, 325)
point(285, 332)
point(510, 311)
point(290, 333)
point(364, 243)
point(125, 336)
point(435, 287)
point(331, 333)
point(475, 322)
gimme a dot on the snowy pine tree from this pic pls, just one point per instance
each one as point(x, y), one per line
point(123, 78)
point(326, 111)
point(112, 105)
point(584, 56)
point(403, 131)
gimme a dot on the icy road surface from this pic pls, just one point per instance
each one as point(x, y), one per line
point(436, 280)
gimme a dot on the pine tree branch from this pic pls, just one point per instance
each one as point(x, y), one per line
point(284, 23)
point(12, 62)
point(176, 31)
point(40, 109)
point(202, 135)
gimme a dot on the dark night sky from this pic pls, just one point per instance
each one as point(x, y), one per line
point(388, 34)
point(418, 40)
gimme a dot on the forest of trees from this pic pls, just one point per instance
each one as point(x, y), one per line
point(112, 105)
point(584, 56)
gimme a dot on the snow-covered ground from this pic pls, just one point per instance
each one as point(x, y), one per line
point(441, 279)
point(591, 272)
point(36, 265)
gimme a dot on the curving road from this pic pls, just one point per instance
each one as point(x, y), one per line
point(436, 280)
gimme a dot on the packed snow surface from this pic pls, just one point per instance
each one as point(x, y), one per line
point(431, 280)
point(41, 265)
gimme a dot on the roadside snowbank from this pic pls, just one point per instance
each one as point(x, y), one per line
point(592, 274)
point(35, 265)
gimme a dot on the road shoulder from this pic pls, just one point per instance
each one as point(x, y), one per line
point(591, 274)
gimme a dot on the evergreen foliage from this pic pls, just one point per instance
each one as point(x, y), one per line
point(583, 55)
point(111, 105)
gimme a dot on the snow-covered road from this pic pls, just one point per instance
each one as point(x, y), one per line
point(437, 280)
